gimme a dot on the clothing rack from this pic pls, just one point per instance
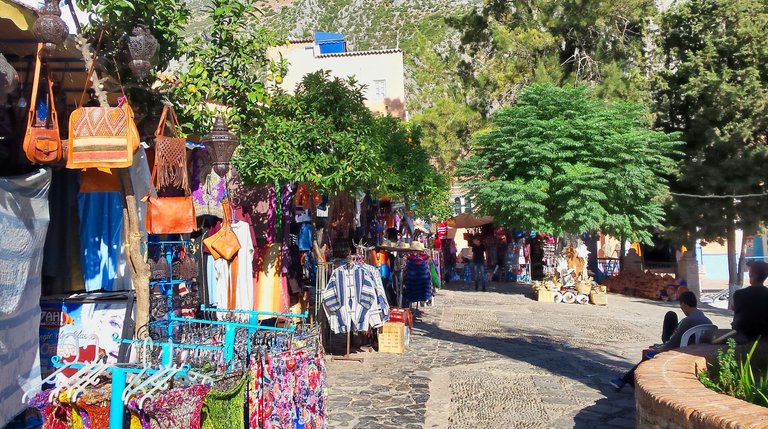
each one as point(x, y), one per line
point(119, 374)
point(166, 285)
point(253, 318)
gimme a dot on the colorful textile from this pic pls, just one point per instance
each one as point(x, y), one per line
point(223, 405)
point(101, 238)
point(75, 417)
point(348, 297)
point(287, 391)
point(96, 403)
point(417, 279)
point(139, 419)
point(177, 408)
point(54, 417)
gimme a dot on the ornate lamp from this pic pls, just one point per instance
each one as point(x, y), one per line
point(142, 47)
point(8, 79)
point(221, 144)
point(49, 28)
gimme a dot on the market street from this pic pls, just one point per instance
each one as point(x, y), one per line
point(501, 359)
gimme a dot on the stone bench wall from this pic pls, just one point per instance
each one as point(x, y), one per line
point(669, 395)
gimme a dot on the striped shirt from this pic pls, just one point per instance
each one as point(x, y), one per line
point(348, 297)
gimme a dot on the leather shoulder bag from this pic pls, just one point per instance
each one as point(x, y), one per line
point(42, 144)
point(224, 243)
point(101, 137)
point(170, 215)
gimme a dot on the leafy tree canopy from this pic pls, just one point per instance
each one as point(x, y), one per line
point(326, 136)
point(562, 161)
point(447, 131)
point(510, 44)
point(715, 91)
point(228, 64)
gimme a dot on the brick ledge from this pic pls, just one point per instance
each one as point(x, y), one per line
point(669, 395)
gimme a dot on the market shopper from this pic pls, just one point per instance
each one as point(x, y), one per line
point(750, 305)
point(478, 263)
point(693, 317)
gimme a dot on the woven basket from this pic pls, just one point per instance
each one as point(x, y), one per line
point(583, 288)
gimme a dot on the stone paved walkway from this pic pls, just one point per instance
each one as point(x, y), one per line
point(501, 359)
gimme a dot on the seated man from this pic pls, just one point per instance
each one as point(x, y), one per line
point(693, 317)
point(750, 305)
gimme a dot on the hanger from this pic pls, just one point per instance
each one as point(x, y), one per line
point(162, 383)
point(85, 369)
point(145, 351)
point(156, 376)
point(56, 362)
point(90, 379)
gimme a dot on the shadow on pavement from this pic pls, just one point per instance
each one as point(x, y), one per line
point(592, 368)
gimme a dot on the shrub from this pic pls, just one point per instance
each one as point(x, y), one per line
point(736, 378)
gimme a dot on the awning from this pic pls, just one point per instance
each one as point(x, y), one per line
point(22, 17)
point(466, 220)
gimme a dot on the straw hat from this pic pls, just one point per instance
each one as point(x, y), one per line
point(417, 245)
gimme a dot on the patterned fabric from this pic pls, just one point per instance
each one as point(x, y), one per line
point(102, 137)
point(223, 406)
point(177, 408)
point(417, 280)
point(75, 418)
point(139, 419)
point(287, 391)
point(207, 187)
point(54, 416)
point(96, 403)
point(347, 298)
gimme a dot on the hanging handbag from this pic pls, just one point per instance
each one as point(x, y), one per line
point(224, 243)
point(101, 137)
point(42, 144)
point(170, 215)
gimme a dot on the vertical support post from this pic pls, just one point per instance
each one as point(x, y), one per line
point(229, 343)
point(169, 288)
point(167, 357)
point(116, 407)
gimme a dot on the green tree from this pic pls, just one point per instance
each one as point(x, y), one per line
point(562, 161)
point(321, 135)
point(228, 64)
point(510, 44)
point(715, 91)
point(447, 131)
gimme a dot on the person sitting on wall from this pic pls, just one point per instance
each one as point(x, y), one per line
point(672, 334)
point(750, 305)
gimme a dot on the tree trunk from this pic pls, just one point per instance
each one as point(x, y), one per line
point(742, 259)
point(622, 252)
point(732, 266)
point(137, 262)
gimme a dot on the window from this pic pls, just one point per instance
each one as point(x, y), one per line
point(380, 89)
point(457, 206)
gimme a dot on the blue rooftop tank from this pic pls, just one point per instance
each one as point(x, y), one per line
point(330, 43)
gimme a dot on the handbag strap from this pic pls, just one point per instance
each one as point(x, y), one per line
point(168, 110)
point(91, 69)
point(36, 87)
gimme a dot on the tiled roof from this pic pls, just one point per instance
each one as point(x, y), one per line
point(304, 40)
point(362, 53)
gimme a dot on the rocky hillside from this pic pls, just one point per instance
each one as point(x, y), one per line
point(416, 26)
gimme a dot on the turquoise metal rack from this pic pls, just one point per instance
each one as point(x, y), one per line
point(119, 375)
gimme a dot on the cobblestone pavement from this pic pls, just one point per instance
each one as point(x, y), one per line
point(500, 359)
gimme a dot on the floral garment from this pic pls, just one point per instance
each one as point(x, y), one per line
point(54, 415)
point(177, 408)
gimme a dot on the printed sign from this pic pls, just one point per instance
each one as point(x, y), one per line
point(80, 331)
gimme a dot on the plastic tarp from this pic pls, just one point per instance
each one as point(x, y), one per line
point(466, 220)
point(24, 222)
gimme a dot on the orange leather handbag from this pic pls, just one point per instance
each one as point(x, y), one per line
point(42, 144)
point(224, 243)
point(101, 137)
point(170, 215)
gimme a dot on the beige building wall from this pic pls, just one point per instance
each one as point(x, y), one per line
point(380, 71)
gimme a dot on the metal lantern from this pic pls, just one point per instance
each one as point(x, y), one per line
point(221, 144)
point(8, 79)
point(142, 46)
point(49, 28)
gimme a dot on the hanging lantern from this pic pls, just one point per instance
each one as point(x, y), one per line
point(49, 28)
point(8, 79)
point(142, 46)
point(221, 144)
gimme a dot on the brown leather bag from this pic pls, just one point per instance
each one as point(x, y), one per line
point(42, 144)
point(170, 215)
point(224, 243)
